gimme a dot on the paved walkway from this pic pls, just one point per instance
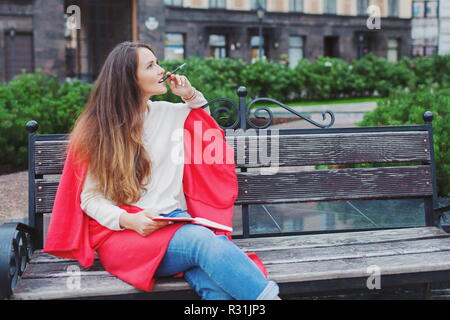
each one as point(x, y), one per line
point(346, 115)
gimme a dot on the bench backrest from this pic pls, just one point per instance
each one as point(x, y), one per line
point(274, 167)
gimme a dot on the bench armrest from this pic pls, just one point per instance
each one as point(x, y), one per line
point(442, 205)
point(15, 252)
point(443, 209)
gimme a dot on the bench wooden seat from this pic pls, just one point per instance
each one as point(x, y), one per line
point(306, 261)
point(403, 167)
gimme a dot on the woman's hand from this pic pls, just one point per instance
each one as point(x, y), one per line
point(180, 86)
point(142, 222)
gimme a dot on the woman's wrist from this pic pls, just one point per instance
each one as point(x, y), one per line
point(124, 220)
point(193, 94)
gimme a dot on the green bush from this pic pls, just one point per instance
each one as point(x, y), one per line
point(39, 97)
point(324, 79)
point(407, 109)
point(428, 70)
point(376, 74)
point(267, 79)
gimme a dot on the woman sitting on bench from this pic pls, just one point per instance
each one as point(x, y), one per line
point(132, 177)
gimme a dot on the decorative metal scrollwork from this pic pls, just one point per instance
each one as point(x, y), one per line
point(20, 255)
point(243, 120)
point(269, 123)
point(15, 253)
point(225, 109)
point(290, 110)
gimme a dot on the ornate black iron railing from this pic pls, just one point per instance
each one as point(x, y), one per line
point(242, 112)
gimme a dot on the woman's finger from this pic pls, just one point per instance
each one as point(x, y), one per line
point(172, 79)
point(158, 224)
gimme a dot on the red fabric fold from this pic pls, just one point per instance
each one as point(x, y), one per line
point(210, 190)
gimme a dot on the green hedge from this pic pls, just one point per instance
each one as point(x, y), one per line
point(407, 109)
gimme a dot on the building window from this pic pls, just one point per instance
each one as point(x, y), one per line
point(362, 7)
point(73, 59)
point(393, 8)
point(174, 46)
point(432, 9)
point(331, 46)
point(296, 5)
point(18, 53)
point(254, 43)
point(425, 27)
point(365, 43)
point(175, 3)
point(393, 50)
point(296, 50)
point(424, 50)
point(425, 8)
point(429, 51)
point(330, 6)
point(418, 9)
point(217, 46)
point(261, 2)
point(220, 4)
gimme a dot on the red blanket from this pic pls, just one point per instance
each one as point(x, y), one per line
point(210, 190)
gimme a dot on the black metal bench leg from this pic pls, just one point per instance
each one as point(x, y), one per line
point(427, 291)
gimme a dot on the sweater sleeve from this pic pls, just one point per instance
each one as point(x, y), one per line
point(98, 207)
point(197, 101)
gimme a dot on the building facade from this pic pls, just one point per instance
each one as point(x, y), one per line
point(444, 27)
point(72, 37)
point(430, 27)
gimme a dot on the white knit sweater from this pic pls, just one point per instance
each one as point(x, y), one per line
point(163, 140)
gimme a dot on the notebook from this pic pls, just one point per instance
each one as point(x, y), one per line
point(199, 221)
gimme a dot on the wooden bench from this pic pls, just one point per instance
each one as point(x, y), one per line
point(301, 263)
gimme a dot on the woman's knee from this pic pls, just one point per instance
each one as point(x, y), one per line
point(196, 233)
point(203, 241)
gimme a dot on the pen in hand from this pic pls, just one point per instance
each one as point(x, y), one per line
point(173, 72)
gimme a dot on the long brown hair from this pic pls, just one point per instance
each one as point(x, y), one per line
point(108, 133)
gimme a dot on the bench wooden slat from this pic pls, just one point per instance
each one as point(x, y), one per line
point(91, 286)
point(293, 150)
point(338, 148)
point(296, 255)
point(59, 269)
point(394, 251)
point(50, 157)
point(45, 193)
point(300, 186)
point(334, 184)
point(331, 240)
point(355, 268)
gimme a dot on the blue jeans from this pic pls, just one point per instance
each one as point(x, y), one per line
point(214, 266)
